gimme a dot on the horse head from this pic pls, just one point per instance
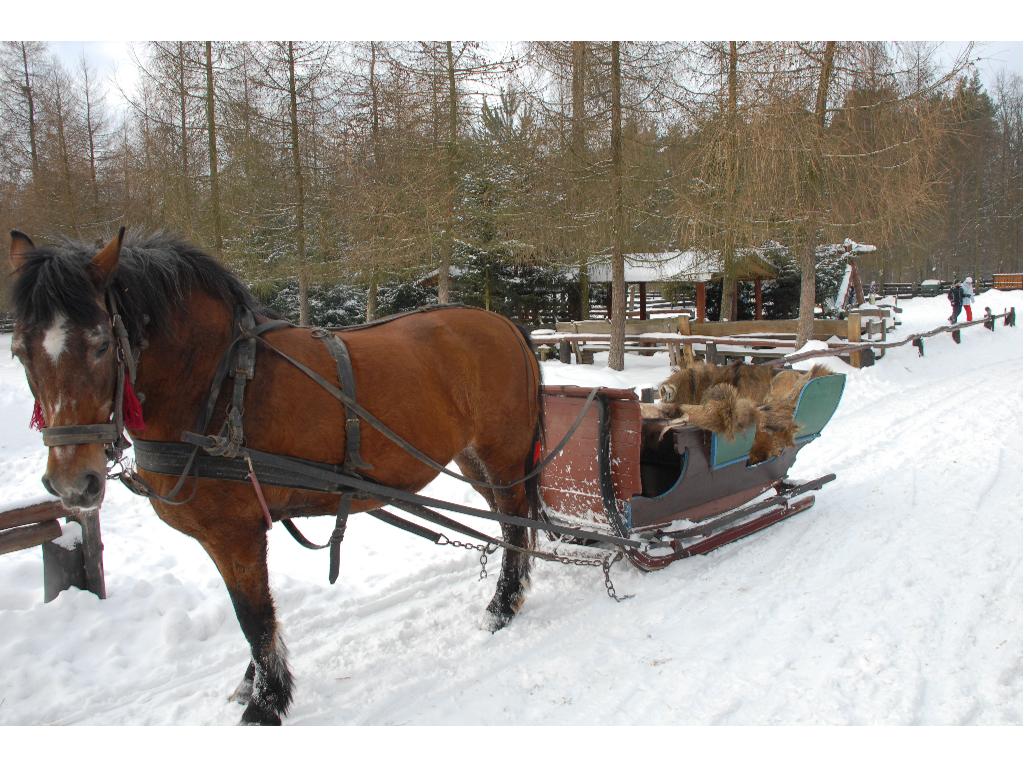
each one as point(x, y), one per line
point(65, 339)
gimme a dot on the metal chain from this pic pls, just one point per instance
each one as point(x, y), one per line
point(606, 566)
point(487, 549)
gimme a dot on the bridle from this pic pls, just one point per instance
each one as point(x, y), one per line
point(111, 433)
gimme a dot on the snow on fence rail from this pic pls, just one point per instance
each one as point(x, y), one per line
point(1009, 317)
point(722, 349)
point(72, 554)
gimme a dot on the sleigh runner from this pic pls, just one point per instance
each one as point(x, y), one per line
point(683, 490)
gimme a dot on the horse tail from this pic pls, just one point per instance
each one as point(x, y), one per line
point(532, 484)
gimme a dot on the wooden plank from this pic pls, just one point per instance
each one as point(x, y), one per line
point(28, 536)
point(34, 513)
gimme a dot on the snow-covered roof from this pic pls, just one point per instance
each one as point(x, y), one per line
point(856, 247)
point(679, 266)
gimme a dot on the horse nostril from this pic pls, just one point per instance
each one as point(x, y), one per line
point(48, 486)
point(92, 485)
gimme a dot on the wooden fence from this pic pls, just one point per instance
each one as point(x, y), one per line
point(1002, 282)
point(1008, 281)
point(863, 338)
point(78, 565)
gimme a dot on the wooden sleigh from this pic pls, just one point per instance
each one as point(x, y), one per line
point(689, 490)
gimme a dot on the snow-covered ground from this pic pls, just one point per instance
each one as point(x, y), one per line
point(896, 599)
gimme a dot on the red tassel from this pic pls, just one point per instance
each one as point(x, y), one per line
point(132, 411)
point(132, 408)
point(37, 421)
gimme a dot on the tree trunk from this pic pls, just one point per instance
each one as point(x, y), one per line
point(728, 310)
point(378, 168)
point(186, 183)
point(91, 131)
point(65, 159)
point(577, 149)
point(31, 114)
point(300, 221)
point(211, 129)
point(443, 295)
point(805, 325)
point(616, 351)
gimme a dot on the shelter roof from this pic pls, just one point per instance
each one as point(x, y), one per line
point(682, 266)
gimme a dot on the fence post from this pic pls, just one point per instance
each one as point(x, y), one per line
point(92, 552)
point(77, 563)
point(684, 328)
point(853, 335)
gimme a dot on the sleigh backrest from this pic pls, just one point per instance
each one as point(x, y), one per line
point(818, 400)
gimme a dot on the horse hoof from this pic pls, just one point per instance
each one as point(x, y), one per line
point(492, 622)
point(255, 716)
point(242, 693)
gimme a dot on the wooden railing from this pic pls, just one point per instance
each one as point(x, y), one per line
point(1008, 281)
point(78, 565)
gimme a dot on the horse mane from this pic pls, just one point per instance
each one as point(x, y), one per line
point(156, 272)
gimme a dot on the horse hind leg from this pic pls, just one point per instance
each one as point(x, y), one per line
point(514, 579)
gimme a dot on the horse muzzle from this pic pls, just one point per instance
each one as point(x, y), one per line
point(83, 492)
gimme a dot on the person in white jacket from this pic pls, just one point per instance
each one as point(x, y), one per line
point(968, 286)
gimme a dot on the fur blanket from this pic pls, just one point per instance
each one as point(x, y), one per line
point(729, 399)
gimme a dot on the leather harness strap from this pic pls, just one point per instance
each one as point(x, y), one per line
point(228, 458)
point(338, 350)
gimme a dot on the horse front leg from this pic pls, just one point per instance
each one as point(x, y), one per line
point(243, 692)
point(267, 684)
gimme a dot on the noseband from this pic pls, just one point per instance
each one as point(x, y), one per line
point(110, 433)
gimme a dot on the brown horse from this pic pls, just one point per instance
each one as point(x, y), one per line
point(458, 383)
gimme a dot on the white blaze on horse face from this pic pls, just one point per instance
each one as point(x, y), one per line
point(55, 337)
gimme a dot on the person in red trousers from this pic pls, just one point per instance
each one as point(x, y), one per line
point(968, 286)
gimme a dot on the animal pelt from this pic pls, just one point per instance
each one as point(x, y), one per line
point(776, 426)
point(718, 398)
point(722, 410)
point(687, 386)
point(730, 399)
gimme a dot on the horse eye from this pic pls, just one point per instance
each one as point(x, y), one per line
point(103, 348)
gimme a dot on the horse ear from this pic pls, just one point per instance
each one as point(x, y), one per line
point(105, 262)
point(21, 247)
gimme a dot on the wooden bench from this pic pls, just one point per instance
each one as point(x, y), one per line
point(583, 348)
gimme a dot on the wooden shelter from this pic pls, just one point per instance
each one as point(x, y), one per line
point(697, 267)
